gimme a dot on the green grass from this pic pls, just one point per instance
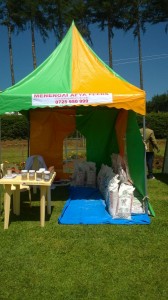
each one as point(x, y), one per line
point(84, 261)
point(14, 151)
point(92, 262)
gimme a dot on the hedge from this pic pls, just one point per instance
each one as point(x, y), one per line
point(158, 122)
point(17, 126)
point(14, 127)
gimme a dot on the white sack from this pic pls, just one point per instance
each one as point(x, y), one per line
point(124, 208)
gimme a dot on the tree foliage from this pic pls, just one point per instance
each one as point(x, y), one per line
point(159, 103)
point(158, 122)
point(108, 14)
point(17, 126)
point(9, 17)
point(56, 15)
point(14, 127)
point(158, 12)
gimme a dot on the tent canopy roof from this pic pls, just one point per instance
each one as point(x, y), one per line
point(72, 70)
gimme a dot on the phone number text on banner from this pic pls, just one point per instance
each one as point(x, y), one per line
point(71, 99)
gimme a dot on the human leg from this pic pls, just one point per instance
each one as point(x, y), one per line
point(149, 162)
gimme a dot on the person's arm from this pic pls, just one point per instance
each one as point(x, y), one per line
point(153, 141)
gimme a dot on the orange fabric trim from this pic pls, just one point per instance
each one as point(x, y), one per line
point(47, 132)
point(121, 127)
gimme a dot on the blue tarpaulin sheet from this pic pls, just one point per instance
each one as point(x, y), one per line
point(86, 206)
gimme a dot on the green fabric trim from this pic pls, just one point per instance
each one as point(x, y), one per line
point(151, 209)
point(135, 153)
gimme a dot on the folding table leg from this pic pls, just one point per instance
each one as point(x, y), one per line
point(16, 200)
point(43, 190)
point(48, 200)
point(7, 202)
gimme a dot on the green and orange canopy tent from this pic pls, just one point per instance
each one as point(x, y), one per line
point(73, 68)
point(74, 89)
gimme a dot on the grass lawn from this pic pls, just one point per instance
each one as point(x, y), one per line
point(85, 261)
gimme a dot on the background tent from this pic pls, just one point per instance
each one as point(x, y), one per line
point(74, 82)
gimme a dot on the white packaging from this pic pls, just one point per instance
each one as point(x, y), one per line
point(124, 207)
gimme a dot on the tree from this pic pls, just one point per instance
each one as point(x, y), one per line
point(10, 18)
point(54, 11)
point(62, 13)
point(34, 17)
point(79, 12)
point(135, 18)
point(158, 12)
point(159, 103)
point(107, 14)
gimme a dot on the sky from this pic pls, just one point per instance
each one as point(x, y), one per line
point(125, 56)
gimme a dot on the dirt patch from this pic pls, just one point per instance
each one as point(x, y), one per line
point(158, 162)
point(14, 142)
point(159, 159)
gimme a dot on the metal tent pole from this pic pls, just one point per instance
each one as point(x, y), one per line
point(0, 169)
point(145, 179)
point(0, 142)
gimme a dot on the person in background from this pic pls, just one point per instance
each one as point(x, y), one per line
point(150, 145)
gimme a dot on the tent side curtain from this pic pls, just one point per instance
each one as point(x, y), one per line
point(97, 125)
point(48, 129)
point(101, 128)
point(135, 153)
point(110, 131)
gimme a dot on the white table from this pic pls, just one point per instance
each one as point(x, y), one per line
point(17, 181)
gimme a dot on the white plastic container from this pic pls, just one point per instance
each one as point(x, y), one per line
point(42, 170)
point(24, 174)
point(46, 175)
point(39, 175)
point(9, 172)
point(31, 174)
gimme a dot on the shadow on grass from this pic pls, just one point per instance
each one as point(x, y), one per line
point(161, 177)
point(29, 213)
point(32, 213)
point(60, 193)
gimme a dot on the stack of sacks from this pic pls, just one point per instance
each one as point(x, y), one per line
point(117, 189)
point(84, 174)
point(118, 195)
point(103, 178)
